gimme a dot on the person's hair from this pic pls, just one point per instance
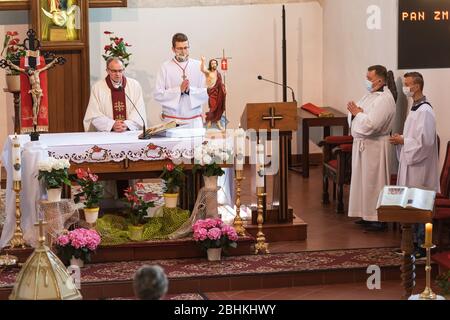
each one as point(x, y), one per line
point(209, 64)
point(387, 77)
point(417, 78)
point(111, 59)
point(150, 282)
point(179, 37)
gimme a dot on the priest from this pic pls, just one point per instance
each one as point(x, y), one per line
point(181, 86)
point(370, 121)
point(116, 102)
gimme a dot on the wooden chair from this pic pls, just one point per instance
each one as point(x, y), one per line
point(337, 166)
point(441, 216)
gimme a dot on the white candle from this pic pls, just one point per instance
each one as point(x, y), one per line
point(240, 148)
point(16, 159)
point(260, 165)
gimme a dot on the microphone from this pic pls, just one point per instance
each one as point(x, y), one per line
point(144, 135)
point(292, 91)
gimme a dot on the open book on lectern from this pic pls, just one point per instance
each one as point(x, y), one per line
point(406, 198)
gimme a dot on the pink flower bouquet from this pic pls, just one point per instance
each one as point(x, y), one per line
point(214, 233)
point(79, 243)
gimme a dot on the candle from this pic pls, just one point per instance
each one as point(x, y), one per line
point(240, 148)
point(428, 234)
point(260, 166)
point(15, 159)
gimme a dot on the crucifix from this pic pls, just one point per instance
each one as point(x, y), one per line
point(224, 63)
point(31, 69)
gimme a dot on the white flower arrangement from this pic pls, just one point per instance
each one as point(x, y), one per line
point(209, 155)
point(54, 172)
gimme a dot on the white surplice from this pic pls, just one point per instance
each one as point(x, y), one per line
point(418, 156)
point(99, 113)
point(371, 151)
point(168, 93)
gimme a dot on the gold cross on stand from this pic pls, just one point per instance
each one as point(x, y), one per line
point(272, 117)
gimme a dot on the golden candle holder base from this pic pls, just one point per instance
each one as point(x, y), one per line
point(261, 246)
point(238, 223)
point(17, 239)
point(427, 293)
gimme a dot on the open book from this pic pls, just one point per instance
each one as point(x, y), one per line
point(406, 198)
point(160, 128)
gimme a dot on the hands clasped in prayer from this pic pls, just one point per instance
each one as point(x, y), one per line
point(119, 126)
point(184, 87)
point(353, 108)
point(396, 139)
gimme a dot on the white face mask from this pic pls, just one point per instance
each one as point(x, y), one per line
point(368, 85)
point(407, 91)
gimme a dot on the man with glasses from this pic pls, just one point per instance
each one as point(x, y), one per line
point(110, 106)
point(180, 86)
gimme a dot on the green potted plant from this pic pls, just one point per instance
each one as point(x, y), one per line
point(173, 176)
point(54, 173)
point(138, 201)
point(12, 51)
point(91, 192)
point(76, 246)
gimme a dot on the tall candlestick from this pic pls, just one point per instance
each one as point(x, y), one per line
point(260, 166)
point(428, 234)
point(16, 159)
point(240, 148)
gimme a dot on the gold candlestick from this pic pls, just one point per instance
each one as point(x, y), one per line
point(237, 223)
point(428, 294)
point(17, 240)
point(261, 245)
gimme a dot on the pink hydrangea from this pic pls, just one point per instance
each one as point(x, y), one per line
point(80, 238)
point(209, 231)
point(62, 240)
point(230, 232)
point(200, 234)
point(214, 233)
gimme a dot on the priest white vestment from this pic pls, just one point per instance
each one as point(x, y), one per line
point(99, 113)
point(371, 151)
point(418, 156)
point(178, 105)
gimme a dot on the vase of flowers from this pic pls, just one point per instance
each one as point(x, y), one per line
point(77, 244)
point(12, 51)
point(138, 201)
point(208, 157)
point(54, 173)
point(173, 176)
point(90, 192)
point(214, 234)
point(117, 47)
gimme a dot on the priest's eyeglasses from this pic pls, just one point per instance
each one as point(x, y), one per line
point(115, 71)
point(181, 48)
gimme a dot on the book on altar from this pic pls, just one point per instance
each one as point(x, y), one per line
point(404, 198)
point(174, 129)
point(160, 128)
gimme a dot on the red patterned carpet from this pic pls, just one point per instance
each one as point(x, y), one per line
point(236, 265)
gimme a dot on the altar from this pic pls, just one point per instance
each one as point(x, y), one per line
point(110, 155)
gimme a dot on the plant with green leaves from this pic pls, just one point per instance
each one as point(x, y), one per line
point(54, 172)
point(117, 48)
point(173, 176)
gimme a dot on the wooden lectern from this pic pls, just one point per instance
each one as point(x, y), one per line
point(407, 218)
point(283, 117)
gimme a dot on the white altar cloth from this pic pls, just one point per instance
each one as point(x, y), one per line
point(82, 147)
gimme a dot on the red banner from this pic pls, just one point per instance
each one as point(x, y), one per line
point(26, 100)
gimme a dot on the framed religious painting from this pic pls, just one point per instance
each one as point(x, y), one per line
point(60, 23)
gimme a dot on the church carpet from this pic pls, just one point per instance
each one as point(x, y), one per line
point(196, 275)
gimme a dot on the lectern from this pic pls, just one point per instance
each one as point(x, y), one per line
point(283, 117)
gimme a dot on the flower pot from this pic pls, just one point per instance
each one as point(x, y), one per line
point(91, 214)
point(13, 82)
point(210, 182)
point(54, 195)
point(135, 232)
point(76, 262)
point(214, 254)
point(170, 200)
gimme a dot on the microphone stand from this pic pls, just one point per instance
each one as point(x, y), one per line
point(144, 135)
point(282, 85)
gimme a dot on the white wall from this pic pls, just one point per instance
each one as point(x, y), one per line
point(251, 35)
point(349, 48)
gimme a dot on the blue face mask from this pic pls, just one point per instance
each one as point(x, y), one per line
point(368, 85)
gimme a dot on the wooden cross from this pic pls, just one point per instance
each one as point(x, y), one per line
point(272, 117)
point(41, 225)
